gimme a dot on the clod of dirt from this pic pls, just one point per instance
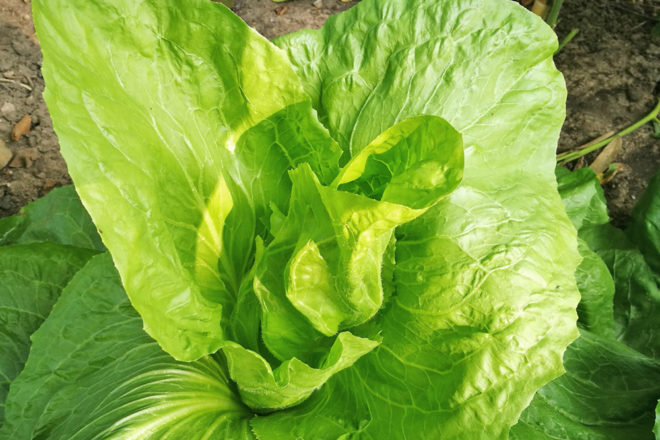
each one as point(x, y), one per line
point(24, 158)
point(21, 47)
point(21, 128)
point(5, 154)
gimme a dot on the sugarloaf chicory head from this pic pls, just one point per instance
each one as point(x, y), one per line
point(351, 232)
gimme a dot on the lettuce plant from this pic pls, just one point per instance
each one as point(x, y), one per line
point(353, 232)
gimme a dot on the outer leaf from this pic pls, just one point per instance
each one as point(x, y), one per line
point(583, 197)
point(645, 227)
point(31, 279)
point(59, 217)
point(164, 102)
point(94, 374)
point(609, 390)
point(596, 308)
point(606, 394)
point(485, 298)
point(637, 296)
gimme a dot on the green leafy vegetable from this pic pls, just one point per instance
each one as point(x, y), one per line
point(355, 235)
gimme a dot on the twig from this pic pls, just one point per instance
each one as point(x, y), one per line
point(11, 81)
point(567, 39)
point(569, 156)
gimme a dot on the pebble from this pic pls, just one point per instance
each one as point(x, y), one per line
point(8, 110)
point(5, 154)
point(318, 4)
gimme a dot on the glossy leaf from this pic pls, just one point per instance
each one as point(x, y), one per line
point(31, 279)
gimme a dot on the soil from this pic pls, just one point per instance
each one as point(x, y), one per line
point(612, 71)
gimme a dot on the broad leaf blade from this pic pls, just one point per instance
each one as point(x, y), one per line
point(596, 308)
point(606, 394)
point(645, 227)
point(31, 279)
point(149, 121)
point(582, 196)
point(103, 377)
point(637, 295)
point(59, 217)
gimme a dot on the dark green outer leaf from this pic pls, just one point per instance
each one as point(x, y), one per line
point(596, 308)
point(58, 217)
point(645, 227)
point(31, 279)
point(637, 296)
point(582, 196)
point(605, 394)
point(609, 390)
point(94, 374)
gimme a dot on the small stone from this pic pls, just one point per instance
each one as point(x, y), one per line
point(318, 4)
point(8, 110)
point(8, 74)
point(5, 154)
point(30, 100)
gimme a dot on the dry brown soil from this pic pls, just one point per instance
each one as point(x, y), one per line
point(612, 71)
